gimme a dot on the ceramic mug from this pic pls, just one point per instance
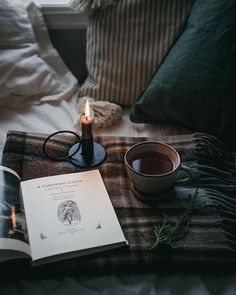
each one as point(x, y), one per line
point(152, 169)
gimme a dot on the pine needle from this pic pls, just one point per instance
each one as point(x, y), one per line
point(169, 233)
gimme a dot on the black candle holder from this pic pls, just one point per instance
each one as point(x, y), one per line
point(85, 153)
point(87, 159)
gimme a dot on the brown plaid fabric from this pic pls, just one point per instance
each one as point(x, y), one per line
point(210, 240)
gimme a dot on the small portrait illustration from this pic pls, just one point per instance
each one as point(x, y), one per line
point(68, 213)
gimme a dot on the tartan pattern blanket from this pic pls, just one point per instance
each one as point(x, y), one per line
point(211, 237)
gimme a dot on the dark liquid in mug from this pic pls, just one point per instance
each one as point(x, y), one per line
point(152, 163)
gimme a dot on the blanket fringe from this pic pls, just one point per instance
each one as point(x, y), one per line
point(216, 174)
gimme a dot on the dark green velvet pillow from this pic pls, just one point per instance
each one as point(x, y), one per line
point(196, 83)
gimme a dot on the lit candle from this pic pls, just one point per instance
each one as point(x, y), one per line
point(87, 135)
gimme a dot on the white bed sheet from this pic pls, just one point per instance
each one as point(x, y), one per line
point(48, 117)
point(154, 284)
point(60, 115)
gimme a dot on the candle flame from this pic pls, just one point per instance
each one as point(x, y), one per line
point(87, 110)
point(13, 218)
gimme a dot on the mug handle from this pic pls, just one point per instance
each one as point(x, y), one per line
point(187, 178)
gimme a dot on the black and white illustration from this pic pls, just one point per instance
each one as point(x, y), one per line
point(68, 213)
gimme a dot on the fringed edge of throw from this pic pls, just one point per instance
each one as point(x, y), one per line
point(88, 6)
point(217, 175)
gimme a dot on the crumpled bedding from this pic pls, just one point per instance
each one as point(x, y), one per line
point(54, 115)
point(138, 284)
point(31, 71)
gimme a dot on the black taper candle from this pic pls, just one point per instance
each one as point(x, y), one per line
point(90, 153)
point(87, 138)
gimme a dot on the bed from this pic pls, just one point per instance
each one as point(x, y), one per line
point(33, 101)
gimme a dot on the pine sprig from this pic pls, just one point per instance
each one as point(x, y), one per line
point(169, 233)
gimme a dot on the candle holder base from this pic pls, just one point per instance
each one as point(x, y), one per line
point(99, 156)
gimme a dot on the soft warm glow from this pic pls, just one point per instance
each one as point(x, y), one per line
point(13, 218)
point(87, 110)
point(86, 119)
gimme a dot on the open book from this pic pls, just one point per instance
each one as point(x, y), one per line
point(56, 217)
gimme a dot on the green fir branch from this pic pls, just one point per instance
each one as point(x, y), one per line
point(169, 233)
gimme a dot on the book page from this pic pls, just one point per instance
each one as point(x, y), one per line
point(67, 213)
point(13, 230)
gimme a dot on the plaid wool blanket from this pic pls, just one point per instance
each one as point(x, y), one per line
point(209, 237)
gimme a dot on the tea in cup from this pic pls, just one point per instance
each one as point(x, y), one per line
point(152, 169)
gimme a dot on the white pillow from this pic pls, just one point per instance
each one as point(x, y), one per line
point(30, 68)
